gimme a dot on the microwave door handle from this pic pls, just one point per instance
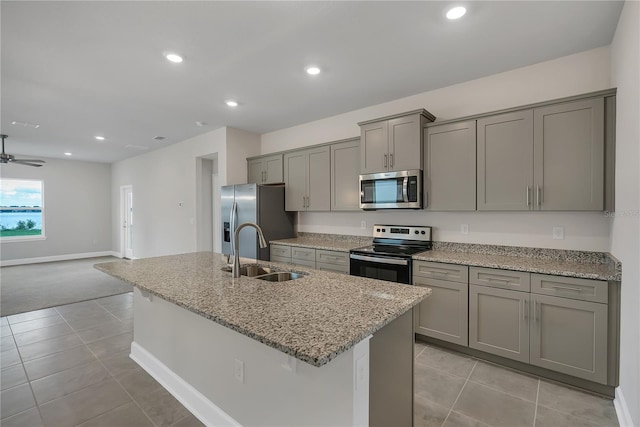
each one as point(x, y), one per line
point(405, 189)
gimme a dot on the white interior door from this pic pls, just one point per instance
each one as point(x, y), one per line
point(126, 219)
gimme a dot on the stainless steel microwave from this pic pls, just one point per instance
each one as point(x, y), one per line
point(391, 190)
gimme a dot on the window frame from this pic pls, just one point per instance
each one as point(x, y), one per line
point(41, 236)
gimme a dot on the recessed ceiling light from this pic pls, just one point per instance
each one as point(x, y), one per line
point(100, 138)
point(456, 12)
point(25, 124)
point(231, 103)
point(68, 154)
point(200, 124)
point(313, 70)
point(173, 57)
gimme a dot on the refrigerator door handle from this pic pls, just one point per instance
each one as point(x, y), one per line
point(232, 221)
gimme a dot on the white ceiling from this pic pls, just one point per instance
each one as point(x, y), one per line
point(85, 68)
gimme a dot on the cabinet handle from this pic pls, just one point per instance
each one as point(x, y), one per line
point(523, 308)
point(566, 288)
point(385, 160)
point(528, 196)
point(538, 198)
point(526, 310)
point(264, 176)
point(308, 201)
point(390, 160)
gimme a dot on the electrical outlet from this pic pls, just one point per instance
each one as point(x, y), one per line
point(363, 224)
point(464, 228)
point(558, 233)
point(238, 370)
point(362, 372)
point(289, 364)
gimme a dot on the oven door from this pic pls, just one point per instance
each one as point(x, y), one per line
point(392, 269)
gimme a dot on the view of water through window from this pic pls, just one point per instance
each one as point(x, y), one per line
point(21, 208)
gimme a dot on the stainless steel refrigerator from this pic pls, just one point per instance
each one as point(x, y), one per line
point(262, 204)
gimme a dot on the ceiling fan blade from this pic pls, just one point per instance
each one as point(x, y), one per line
point(27, 163)
point(29, 160)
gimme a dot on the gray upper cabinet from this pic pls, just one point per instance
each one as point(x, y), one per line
point(345, 165)
point(549, 158)
point(505, 162)
point(569, 156)
point(450, 167)
point(393, 143)
point(265, 169)
point(307, 177)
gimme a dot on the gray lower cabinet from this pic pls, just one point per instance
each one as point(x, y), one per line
point(345, 185)
point(332, 261)
point(265, 169)
point(569, 336)
point(444, 313)
point(307, 176)
point(280, 253)
point(303, 256)
point(499, 322)
point(321, 259)
point(450, 167)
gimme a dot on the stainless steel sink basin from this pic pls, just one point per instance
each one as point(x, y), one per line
point(279, 276)
point(265, 273)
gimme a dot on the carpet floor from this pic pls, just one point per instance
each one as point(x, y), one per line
point(34, 286)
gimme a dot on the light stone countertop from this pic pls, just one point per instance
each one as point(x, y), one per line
point(558, 267)
point(330, 242)
point(313, 318)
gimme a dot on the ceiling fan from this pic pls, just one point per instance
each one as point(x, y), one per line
point(9, 158)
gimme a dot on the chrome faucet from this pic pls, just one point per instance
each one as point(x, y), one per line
point(236, 252)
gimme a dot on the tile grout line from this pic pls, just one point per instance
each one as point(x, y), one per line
point(460, 393)
point(503, 392)
point(535, 412)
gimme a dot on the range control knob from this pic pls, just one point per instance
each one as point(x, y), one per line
point(384, 230)
point(378, 230)
point(417, 232)
point(423, 232)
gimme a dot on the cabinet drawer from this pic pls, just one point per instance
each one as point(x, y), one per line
point(305, 254)
point(570, 287)
point(280, 251)
point(505, 279)
point(332, 267)
point(303, 262)
point(332, 257)
point(284, 260)
point(440, 271)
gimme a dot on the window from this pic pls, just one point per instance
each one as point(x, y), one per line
point(21, 209)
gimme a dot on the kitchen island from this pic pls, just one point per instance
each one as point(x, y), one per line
point(324, 349)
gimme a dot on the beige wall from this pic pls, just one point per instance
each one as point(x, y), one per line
point(625, 230)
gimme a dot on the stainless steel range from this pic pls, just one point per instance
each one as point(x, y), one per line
point(389, 258)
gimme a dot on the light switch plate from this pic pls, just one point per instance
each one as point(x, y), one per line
point(464, 228)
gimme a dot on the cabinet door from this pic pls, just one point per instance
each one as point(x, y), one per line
point(499, 322)
point(505, 162)
point(295, 179)
point(345, 167)
point(374, 147)
point(255, 171)
point(444, 313)
point(273, 169)
point(450, 167)
point(569, 336)
point(319, 180)
point(405, 143)
point(569, 156)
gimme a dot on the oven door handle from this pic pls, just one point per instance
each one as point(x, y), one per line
point(394, 261)
point(405, 189)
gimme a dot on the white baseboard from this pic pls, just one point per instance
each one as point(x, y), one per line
point(66, 257)
point(201, 407)
point(622, 410)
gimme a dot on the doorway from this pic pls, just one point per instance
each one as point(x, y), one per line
point(126, 220)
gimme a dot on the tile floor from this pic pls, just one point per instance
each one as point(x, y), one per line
point(452, 389)
point(70, 366)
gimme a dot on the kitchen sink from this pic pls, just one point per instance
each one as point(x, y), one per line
point(279, 276)
point(265, 273)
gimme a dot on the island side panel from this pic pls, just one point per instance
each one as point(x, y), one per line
point(391, 374)
point(275, 391)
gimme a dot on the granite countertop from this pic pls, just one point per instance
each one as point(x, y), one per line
point(331, 242)
point(559, 262)
point(313, 318)
point(604, 270)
